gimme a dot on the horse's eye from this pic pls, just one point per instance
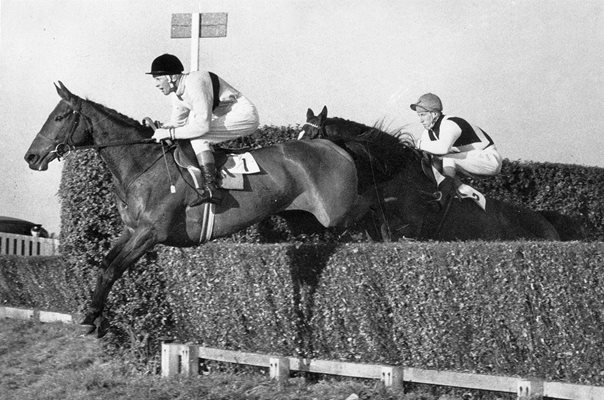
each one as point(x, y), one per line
point(65, 115)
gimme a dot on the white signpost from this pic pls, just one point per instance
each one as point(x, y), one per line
point(196, 26)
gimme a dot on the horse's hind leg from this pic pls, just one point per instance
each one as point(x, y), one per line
point(132, 249)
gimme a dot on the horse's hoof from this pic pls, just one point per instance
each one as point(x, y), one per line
point(89, 319)
point(103, 328)
point(84, 329)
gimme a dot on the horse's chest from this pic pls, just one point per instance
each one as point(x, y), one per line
point(126, 215)
point(133, 215)
point(136, 213)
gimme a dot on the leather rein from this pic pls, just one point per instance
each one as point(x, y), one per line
point(67, 146)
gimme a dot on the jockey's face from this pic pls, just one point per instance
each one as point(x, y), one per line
point(427, 118)
point(164, 84)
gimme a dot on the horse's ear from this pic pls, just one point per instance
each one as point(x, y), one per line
point(323, 115)
point(309, 114)
point(63, 91)
point(323, 112)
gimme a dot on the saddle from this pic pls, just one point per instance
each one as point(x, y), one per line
point(231, 164)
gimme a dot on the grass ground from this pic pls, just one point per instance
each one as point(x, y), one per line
point(52, 361)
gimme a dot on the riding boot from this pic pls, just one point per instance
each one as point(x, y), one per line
point(210, 185)
point(447, 188)
point(202, 195)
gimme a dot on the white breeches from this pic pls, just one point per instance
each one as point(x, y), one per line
point(229, 122)
point(474, 162)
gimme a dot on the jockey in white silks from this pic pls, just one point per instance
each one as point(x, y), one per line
point(456, 145)
point(205, 110)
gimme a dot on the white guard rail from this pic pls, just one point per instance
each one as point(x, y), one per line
point(184, 359)
point(23, 245)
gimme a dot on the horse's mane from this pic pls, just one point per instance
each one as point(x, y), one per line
point(339, 121)
point(379, 152)
point(377, 132)
point(113, 113)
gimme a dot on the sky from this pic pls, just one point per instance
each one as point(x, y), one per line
point(529, 72)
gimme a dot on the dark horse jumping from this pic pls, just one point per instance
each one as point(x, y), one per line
point(406, 205)
point(316, 176)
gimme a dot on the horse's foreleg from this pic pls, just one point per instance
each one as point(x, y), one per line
point(131, 251)
point(116, 248)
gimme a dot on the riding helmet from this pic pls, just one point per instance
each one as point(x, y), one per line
point(428, 102)
point(166, 64)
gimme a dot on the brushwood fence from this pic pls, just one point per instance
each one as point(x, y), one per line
point(23, 245)
point(184, 359)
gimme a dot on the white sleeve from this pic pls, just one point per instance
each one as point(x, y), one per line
point(424, 137)
point(198, 94)
point(179, 116)
point(449, 133)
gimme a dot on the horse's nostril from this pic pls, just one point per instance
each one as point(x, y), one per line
point(30, 157)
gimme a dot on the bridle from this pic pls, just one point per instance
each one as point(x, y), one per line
point(320, 128)
point(65, 147)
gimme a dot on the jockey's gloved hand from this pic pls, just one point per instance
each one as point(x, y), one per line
point(150, 123)
point(161, 134)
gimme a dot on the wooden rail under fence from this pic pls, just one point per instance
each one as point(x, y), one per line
point(184, 359)
point(23, 245)
point(34, 315)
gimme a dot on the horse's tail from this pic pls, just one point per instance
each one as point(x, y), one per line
point(568, 227)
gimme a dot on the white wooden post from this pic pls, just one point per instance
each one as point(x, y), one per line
point(189, 359)
point(48, 316)
point(170, 359)
point(392, 376)
point(16, 313)
point(195, 23)
point(279, 368)
point(185, 25)
point(530, 389)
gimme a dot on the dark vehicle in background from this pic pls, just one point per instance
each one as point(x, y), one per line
point(21, 227)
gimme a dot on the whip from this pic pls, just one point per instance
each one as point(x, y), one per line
point(172, 187)
point(153, 125)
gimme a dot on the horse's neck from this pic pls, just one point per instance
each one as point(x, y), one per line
point(343, 128)
point(421, 174)
point(128, 161)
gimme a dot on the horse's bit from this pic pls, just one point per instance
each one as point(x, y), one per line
point(67, 146)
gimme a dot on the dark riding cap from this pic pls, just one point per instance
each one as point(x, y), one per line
point(166, 64)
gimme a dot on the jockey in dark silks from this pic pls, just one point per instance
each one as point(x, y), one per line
point(456, 145)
